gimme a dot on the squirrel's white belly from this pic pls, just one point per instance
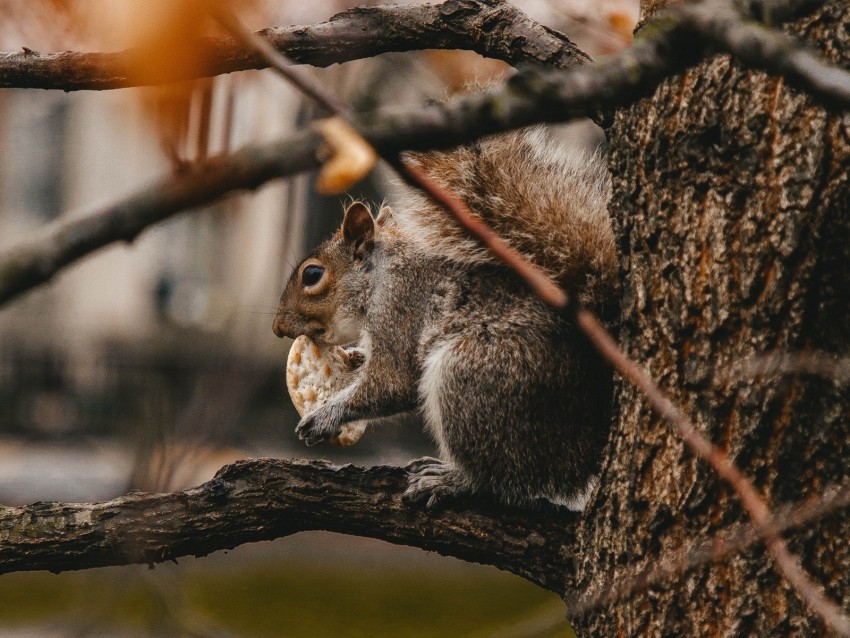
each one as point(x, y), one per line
point(578, 501)
point(430, 388)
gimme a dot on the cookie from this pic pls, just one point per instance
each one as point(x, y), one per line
point(314, 375)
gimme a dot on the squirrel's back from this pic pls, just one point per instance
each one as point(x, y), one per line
point(546, 201)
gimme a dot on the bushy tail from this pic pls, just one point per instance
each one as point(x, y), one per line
point(547, 202)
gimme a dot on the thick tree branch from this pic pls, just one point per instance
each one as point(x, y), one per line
point(265, 499)
point(493, 28)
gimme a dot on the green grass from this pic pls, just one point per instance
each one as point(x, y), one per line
point(371, 602)
point(24, 598)
point(293, 595)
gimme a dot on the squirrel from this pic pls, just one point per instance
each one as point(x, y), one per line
point(515, 397)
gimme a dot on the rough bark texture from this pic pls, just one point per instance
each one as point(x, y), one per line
point(731, 205)
point(264, 499)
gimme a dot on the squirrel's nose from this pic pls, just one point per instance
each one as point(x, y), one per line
point(277, 326)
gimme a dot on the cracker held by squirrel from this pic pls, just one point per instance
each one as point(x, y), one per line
point(515, 397)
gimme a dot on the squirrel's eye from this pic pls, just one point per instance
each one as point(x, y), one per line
point(312, 275)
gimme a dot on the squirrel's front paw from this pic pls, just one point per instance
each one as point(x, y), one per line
point(433, 482)
point(318, 426)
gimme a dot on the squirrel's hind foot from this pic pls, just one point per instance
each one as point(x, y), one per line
point(434, 482)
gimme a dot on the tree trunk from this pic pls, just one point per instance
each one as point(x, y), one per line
point(731, 208)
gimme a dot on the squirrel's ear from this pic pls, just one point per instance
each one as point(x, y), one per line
point(385, 217)
point(358, 227)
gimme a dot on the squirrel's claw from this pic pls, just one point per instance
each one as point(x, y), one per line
point(433, 482)
point(420, 465)
point(318, 426)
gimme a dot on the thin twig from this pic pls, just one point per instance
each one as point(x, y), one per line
point(275, 58)
point(822, 364)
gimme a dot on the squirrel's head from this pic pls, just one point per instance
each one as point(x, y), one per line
point(325, 297)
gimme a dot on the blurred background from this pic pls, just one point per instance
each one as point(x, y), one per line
point(150, 366)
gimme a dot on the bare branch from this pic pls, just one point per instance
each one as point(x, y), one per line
point(267, 498)
point(493, 28)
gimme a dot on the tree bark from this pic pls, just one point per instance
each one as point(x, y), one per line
point(264, 499)
point(731, 210)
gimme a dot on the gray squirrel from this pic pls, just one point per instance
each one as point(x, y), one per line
point(515, 397)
